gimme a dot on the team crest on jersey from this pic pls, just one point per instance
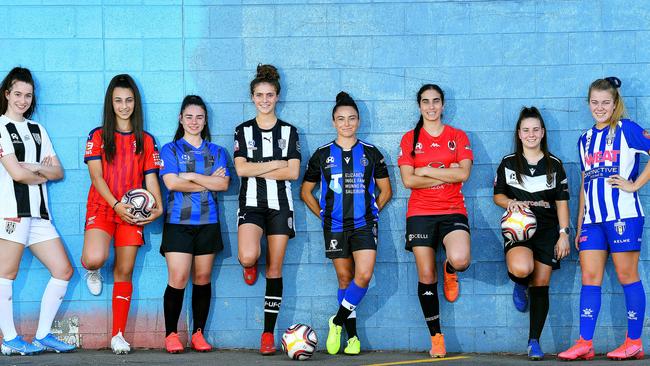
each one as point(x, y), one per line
point(282, 144)
point(418, 148)
point(364, 161)
point(37, 138)
point(10, 227)
point(610, 140)
point(251, 145)
point(620, 227)
point(451, 145)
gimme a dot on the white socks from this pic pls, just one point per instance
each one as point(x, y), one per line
point(52, 298)
point(7, 310)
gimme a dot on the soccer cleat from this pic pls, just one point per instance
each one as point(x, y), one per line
point(450, 285)
point(198, 342)
point(267, 345)
point(353, 347)
point(535, 350)
point(173, 344)
point(438, 349)
point(94, 281)
point(333, 337)
point(629, 350)
point(119, 345)
point(582, 350)
point(250, 274)
point(20, 346)
point(51, 343)
point(520, 297)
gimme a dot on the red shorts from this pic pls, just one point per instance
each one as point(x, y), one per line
point(123, 234)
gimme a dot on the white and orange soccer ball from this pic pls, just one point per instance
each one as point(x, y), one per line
point(518, 226)
point(141, 200)
point(299, 342)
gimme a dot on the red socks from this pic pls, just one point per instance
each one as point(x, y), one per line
point(121, 301)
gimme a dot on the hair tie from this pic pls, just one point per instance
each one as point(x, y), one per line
point(616, 82)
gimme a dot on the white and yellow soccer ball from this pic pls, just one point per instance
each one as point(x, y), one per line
point(299, 342)
point(518, 226)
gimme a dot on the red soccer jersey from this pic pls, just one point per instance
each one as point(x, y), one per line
point(451, 146)
point(125, 172)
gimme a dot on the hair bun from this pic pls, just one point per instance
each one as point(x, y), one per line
point(616, 82)
point(343, 96)
point(267, 72)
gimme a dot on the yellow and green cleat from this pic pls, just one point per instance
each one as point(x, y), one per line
point(353, 347)
point(334, 337)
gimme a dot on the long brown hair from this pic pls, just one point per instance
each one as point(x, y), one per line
point(197, 101)
point(266, 74)
point(110, 120)
point(17, 74)
point(418, 126)
point(531, 112)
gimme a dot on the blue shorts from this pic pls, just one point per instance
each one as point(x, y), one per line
point(615, 236)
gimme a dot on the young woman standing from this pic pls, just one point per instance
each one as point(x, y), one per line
point(349, 171)
point(267, 158)
point(610, 216)
point(119, 155)
point(435, 159)
point(193, 170)
point(28, 162)
point(534, 178)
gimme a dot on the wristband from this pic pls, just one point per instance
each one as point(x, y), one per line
point(115, 204)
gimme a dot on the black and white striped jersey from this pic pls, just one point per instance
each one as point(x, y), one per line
point(259, 146)
point(30, 143)
point(535, 188)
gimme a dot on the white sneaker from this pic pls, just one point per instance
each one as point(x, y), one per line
point(94, 281)
point(119, 345)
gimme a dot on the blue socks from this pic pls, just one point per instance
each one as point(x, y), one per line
point(635, 304)
point(589, 309)
point(352, 298)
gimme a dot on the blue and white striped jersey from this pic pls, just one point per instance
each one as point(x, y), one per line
point(604, 153)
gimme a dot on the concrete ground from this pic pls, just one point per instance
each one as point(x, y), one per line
point(248, 357)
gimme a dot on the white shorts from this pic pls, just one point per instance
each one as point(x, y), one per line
point(27, 230)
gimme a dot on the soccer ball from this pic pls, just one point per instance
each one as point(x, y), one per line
point(141, 200)
point(299, 342)
point(518, 226)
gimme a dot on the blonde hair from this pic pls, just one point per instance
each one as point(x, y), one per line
point(611, 84)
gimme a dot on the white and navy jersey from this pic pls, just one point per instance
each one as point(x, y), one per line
point(604, 153)
point(347, 182)
point(30, 143)
point(535, 188)
point(259, 146)
point(192, 208)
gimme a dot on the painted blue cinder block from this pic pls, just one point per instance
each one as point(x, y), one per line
point(588, 43)
point(403, 51)
point(425, 18)
point(623, 16)
point(535, 48)
point(502, 17)
point(469, 50)
point(123, 54)
point(128, 22)
point(371, 19)
point(569, 16)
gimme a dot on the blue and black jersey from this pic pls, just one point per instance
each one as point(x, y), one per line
point(192, 208)
point(347, 179)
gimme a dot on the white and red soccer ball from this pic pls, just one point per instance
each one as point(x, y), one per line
point(141, 200)
point(299, 342)
point(518, 226)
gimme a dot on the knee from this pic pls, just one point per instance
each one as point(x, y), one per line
point(362, 278)
point(459, 262)
point(344, 279)
point(520, 270)
point(64, 274)
point(11, 275)
point(591, 278)
point(427, 277)
point(122, 273)
point(625, 277)
point(202, 278)
point(247, 260)
point(177, 280)
point(92, 261)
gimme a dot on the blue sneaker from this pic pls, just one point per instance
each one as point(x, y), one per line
point(51, 343)
point(520, 297)
point(534, 350)
point(18, 345)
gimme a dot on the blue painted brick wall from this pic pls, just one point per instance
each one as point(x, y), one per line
point(490, 57)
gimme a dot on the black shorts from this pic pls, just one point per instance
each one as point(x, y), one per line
point(429, 231)
point(342, 244)
point(273, 222)
point(193, 239)
point(542, 244)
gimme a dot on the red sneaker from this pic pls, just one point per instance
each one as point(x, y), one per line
point(630, 349)
point(250, 274)
point(267, 346)
point(198, 342)
point(582, 350)
point(173, 344)
point(450, 285)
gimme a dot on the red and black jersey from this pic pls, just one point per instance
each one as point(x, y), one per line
point(451, 146)
point(126, 171)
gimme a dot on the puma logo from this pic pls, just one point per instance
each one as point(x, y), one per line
point(127, 298)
